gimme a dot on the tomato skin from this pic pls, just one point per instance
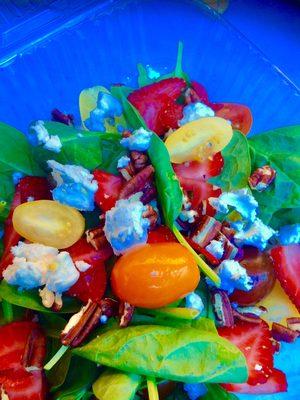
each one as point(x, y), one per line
point(239, 115)
point(109, 187)
point(154, 275)
point(160, 235)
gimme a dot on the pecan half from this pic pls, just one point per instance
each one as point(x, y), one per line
point(152, 216)
point(35, 350)
point(126, 311)
point(222, 308)
point(81, 324)
point(109, 307)
point(206, 231)
point(127, 172)
point(149, 193)
point(262, 178)
point(58, 116)
point(137, 183)
point(139, 160)
point(96, 238)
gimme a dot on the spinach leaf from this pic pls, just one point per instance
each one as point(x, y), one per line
point(167, 184)
point(216, 392)
point(80, 378)
point(286, 216)
point(280, 149)
point(78, 147)
point(237, 164)
point(131, 114)
point(31, 299)
point(170, 353)
point(111, 152)
point(113, 384)
point(52, 324)
point(56, 376)
point(143, 78)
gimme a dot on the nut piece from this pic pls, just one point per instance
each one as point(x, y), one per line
point(127, 172)
point(262, 178)
point(35, 350)
point(222, 308)
point(206, 231)
point(149, 193)
point(137, 183)
point(152, 216)
point(139, 160)
point(126, 311)
point(81, 324)
point(96, 238)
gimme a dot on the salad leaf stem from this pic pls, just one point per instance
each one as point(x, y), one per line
point(8, 312)
point(152, 388)
point(57, 356)
point(201, 263)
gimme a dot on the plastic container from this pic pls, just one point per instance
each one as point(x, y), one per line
point(52, 54)
point(74, 47)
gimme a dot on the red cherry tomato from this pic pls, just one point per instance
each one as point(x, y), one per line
point(160, 235)
point(109, 187)
point(193, 177)
point(239, 115)
point(91, 283)
point(261, 269)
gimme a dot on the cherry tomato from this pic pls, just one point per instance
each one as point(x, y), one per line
point(154, 275)
point(239, 115)
point(48, 222)
point(160, 235)
point(198, 140)
point(193, 178)
point(260, 267)
point(109, 187)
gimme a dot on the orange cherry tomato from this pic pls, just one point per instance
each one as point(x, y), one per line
point(239, 115)
point(155, 275)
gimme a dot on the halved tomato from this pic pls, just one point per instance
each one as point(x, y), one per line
point(239, 115)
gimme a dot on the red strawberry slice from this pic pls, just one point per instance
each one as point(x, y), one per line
point(22, 354)
point(287, 267)
point(91, 283)
point(276, 383)
point(109, 188)
point(254, 340)
point(170, 115)
point(151, 101)
point(200, 92)
point(30, 186)
point(160, 235)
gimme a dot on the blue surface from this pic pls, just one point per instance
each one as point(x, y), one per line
point(48, 65)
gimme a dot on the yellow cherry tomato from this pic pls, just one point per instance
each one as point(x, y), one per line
point(48, 222)
point(155, 275)
point(198, 140)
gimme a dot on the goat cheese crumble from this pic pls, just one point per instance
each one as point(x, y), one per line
point(193, 300)
point(125, 225)
point(138, 141)
point(255, 234)
point(76, 186)
point(289, 234)
point(194, 111)
point(39, 136)
point(123, 162)
point(108, 107)
point(216, 248)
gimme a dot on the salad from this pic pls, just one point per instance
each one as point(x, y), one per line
point(149, 250)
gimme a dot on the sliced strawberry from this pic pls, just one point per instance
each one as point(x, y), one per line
point(170, 115)
point(31, 186)
point(152, 100)
point(287, 267)
point(91, 283)
point(275, 383)
point(160, 235)
point(193, 178)
point(109, 187)
point(31, 386)
point(254, 340)
point(22, 355)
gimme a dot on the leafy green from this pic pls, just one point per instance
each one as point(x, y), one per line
point(80, 378)
point(131, 114)
point(203, 292)
point(111, 150)
point(168, 353)
point(167, 184)
point(113, 384)
point(31, 299)
point(52, 324)
point(279, 148)
point(286, 216)
point(78, 147)
point(216, 392)
point(237, 164)
point(57, 375)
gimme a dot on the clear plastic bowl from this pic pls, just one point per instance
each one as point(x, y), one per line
point(47, 60)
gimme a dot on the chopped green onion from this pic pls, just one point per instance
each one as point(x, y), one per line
point(57, 356)
point(152, 389)
point(201, 263)
point(8, 312)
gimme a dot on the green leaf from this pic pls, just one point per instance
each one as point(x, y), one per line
point(114, 385)
point(81, 375)
point(182, 354)
point(78, 147)
point(131, 114)
point(286, 216)
point(31, 299)
point(167, 184)
point(58, 374)
point(178, 69)
point(216, 392)
point(111, 152)
point(143, 78)
point(52, 324)
point(280, 149)
point(237, 164)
